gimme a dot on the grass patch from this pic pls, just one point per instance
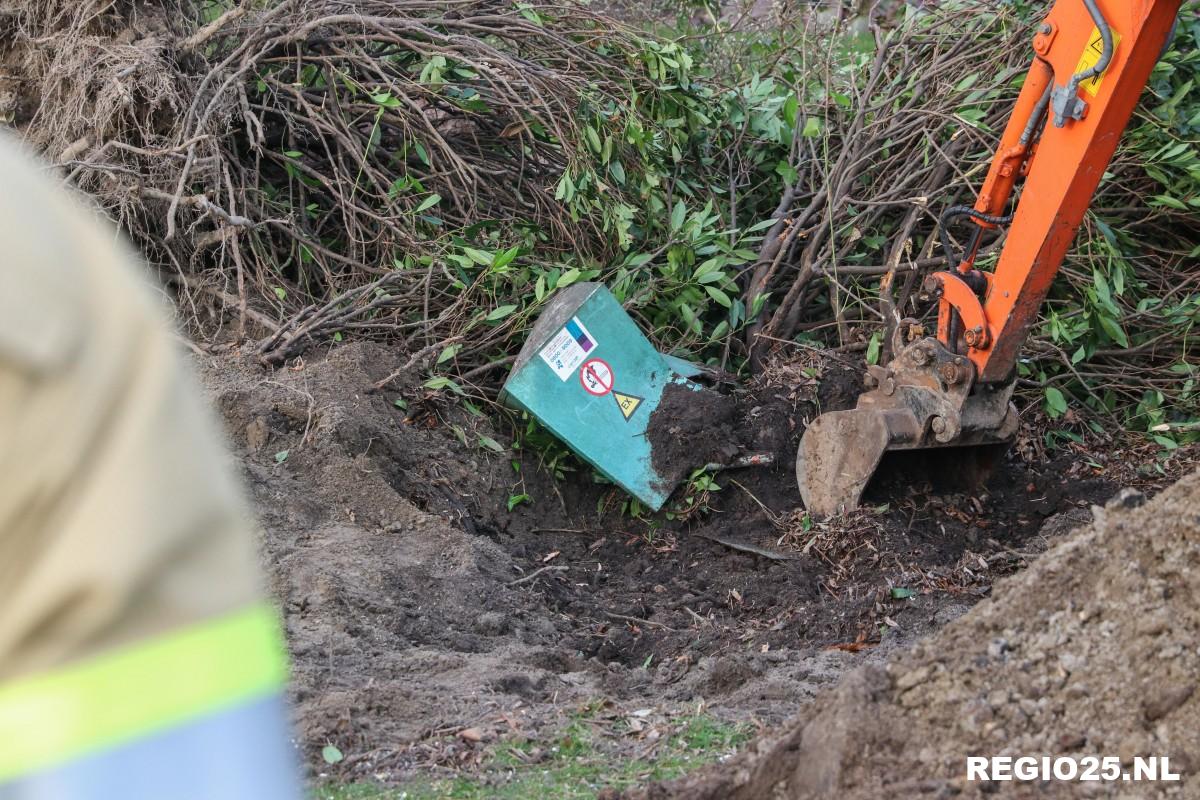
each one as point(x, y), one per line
point(577, 766)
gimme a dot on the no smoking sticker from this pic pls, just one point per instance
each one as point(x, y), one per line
point(596, 376)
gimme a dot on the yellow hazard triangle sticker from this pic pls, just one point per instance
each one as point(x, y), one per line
point(628, 403)
point(1091, 57)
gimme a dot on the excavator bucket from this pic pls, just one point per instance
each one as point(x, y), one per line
point(925, 398)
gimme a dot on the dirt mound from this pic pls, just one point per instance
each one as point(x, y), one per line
point(1090, 651)
point(399, 617)
point(429, 620)
point(419, 606)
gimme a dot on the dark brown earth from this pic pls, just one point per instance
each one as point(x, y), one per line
point(1091, 651)
point(419, 606)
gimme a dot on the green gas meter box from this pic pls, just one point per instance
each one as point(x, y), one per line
point(589, 375)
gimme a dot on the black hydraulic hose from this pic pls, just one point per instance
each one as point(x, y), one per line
point(1039, 112)
point(1106, 53)
point(1035, 118)
point(963, 211)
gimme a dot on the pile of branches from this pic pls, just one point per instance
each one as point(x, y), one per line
point(285, 158)
point(893, 150)
point(431, 172)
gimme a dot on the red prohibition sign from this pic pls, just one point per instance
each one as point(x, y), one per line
point(596, 376)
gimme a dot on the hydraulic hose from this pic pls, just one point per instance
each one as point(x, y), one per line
point(1105, 54)
point(963, 211)
point(1039, 112)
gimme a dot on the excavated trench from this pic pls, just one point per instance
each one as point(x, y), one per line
point(435, 580)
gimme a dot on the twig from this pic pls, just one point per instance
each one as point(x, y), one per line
point(536, 572)
point(747, 547)
point(211, 29)
point(637, 620)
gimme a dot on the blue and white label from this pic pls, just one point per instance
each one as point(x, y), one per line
point(569, 347)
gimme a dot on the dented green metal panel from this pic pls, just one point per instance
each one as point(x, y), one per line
point(589, 375)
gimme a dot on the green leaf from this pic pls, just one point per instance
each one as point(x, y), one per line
point(967, 82)
point(678, 214)
point(790, 107)
point(331, 754)
point(812, 128)
point(442, 382)
point(718, 295)
point(281, 456)
point(760, 226)
point(280, 292)
point(422, 153)
point(491, 444)
point(873, 347)
point(1114, 330)
point(1168, 201)
point(516, 500)
point(429, 202)
point(504, 258)
point(710, 266)
point(566, 189)
point(400, 403)
point(385, 99)
point(786, 171)
point(500, 312)
point(449, 353)
point(688, 315)
point(478, 256)
point(617, 171)
point(1056, 403)
point(528, 13)
point(567, 278)
point(756, 306)
point(900, 593)
point(593, 138)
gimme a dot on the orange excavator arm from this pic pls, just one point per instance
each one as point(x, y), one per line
point(1092, 59)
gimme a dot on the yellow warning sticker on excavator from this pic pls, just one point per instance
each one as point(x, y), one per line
point(1091, 57)
point(628, 403)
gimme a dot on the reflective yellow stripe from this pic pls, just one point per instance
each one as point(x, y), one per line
point(50, 718)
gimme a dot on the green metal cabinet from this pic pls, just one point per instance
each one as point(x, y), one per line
point(589, 375)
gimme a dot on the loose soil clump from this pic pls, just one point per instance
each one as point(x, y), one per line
point(691, 427)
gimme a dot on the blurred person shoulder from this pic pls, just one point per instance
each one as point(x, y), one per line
point(53, 266)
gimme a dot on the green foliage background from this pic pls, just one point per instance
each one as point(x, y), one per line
point(434, 179)
point(652, 170)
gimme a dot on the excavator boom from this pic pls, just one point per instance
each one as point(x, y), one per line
point(1092, 59)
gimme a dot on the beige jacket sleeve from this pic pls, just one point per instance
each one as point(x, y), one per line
point(119, 515)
